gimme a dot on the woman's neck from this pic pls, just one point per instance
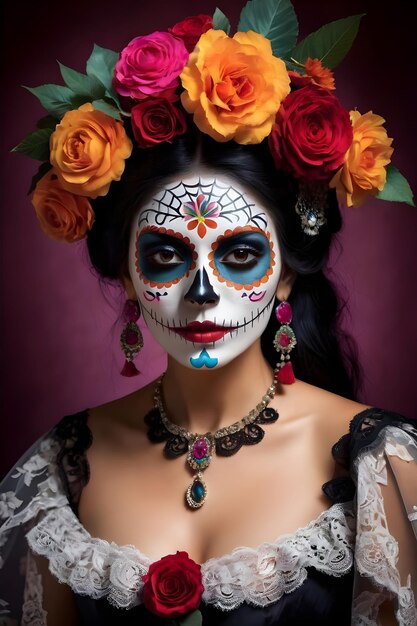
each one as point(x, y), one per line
point(206, 400)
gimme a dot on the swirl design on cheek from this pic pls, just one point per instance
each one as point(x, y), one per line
point(243, 272)
point(163, 256)
point(254, 296)
point(150, 296)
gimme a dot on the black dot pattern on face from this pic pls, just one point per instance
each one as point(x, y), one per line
point(166, 208)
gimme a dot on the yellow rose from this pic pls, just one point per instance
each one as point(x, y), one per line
point(364, 170)
point(88, 151)
point(234, 86)
point(62, 215)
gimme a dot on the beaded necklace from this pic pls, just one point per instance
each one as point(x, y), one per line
point(200, 448)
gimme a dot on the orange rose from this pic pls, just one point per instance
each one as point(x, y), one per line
point(364, 170)
point(61, 214)
point(88, 151)
point(234, 86)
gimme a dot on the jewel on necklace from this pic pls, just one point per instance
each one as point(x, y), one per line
point(197, 492)
point(200, 451)
point(201, 448)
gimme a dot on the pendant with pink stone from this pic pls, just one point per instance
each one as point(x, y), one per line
point(199, 452)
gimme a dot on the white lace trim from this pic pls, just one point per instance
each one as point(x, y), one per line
point(263, 575)
point(413, 516)
point(377, 552)
point(90, 566)
point(32, 612)
point(97, 568)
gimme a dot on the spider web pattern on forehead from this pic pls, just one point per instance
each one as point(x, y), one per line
point(234, 207)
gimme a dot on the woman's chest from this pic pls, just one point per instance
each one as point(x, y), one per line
point(137, 496)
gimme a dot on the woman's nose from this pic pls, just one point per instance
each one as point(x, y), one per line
point(201, 291)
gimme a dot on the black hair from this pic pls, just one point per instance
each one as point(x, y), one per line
point(324, 355)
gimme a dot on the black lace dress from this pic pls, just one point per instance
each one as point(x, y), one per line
point(337, 570)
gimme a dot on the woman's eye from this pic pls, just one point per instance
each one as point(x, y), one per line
point(241, 257)
point(165, 257)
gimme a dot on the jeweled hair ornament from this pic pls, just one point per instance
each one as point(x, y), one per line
point(271, 89)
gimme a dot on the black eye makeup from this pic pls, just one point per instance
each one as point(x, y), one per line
point(162, 257)
point(243, 258)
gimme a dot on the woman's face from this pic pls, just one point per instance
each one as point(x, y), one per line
point(205, 264)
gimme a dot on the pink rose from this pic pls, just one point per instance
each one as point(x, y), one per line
point(150, 65)
point(191, 29)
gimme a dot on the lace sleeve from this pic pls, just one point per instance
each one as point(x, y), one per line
point(33, 487)
point(384, 463)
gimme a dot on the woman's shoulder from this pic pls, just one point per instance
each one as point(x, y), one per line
point(307, 407)
point(341, 422)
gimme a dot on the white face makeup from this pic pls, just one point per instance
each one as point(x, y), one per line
point(205, 264)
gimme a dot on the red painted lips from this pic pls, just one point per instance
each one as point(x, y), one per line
point(202, 332)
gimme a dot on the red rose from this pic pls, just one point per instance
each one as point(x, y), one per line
point(311, 135)
point(156, 120)
point(298, 81)
point(191, 29)
point(173, 586)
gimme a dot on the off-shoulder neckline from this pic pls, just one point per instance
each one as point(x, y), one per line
point(338, 450)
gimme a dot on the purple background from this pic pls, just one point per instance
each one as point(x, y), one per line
point(60, 327)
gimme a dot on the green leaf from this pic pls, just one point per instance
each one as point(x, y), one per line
point(78, 101)
point(396, 188)
point(274, 19)
point(81, 84)
point(107, 108)
point(110, 93)
point(220, 21)
point(193, 619)
point(36, 145)
point(293, 67)
point(330, 43)
point(49, 121)
point(43, 169)
point(56, 99)
point(101, 65)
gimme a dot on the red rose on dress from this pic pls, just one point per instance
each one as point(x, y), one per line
point(311, 135)
point(191, 29)
point(154, 121)
point(173, 586)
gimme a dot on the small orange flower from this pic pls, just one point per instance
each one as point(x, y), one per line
point(314, 73)
point(88, 151)
point(62, 215)
point(321, 76)
point(364, 170)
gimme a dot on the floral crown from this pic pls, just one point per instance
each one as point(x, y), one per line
point(258, 85)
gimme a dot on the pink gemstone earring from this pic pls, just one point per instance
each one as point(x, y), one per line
point(284, 342)
point(131, 340)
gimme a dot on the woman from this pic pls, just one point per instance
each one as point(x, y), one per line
point(221, 246)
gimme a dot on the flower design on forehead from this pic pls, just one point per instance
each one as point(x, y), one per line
point(200, 204)
point(258, 85)
point(200, 214)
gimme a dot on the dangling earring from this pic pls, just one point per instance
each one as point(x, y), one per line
point(131, 340)
point(284, 342)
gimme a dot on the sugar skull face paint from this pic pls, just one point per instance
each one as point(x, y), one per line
point(205, 264)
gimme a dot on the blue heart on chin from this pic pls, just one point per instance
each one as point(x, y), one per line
point(204, 360)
